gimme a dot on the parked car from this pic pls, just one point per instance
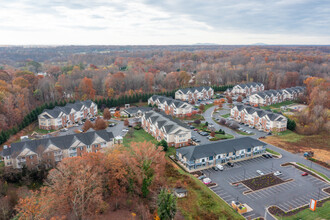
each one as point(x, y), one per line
point(220, 167)
point(125, 130)
point(92, 119)
point(260, 172)
point(192, 127)
point(207, 181)
point(195, 129)
point(201, 177)
point(265, 156)
point(278, 173)
point(80, 123)
point(76, 125)
point(215, 168)
point(230, 164)
point(64, 130)
point(197, 141)
point(269, 133)
point(269, 156)
point(304, 174)
point(262, 137)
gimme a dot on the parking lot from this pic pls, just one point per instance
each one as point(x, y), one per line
point(287, 196)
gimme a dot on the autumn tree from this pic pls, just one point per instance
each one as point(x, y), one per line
point(117, 114)
point(126, 122)
point(202, 107)
point(86, 89)
point(229, 99)
point(166, 204)
point(239, 99)
point(100, 124)
point(106, 114)
point(212, 134)
point(87, 125)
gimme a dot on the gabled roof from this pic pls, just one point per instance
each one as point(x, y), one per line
point(164, 121)
point(77, 106)
point(62, 142)
point(195, 89)
point(207, 150)
point(134, 110)
point(249, 85)
point(170, 101)
point(260, 112)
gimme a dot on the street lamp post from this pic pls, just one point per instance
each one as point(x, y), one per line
point(244, 173)
point(318, 197)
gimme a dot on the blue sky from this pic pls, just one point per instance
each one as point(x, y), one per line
point(114, 22)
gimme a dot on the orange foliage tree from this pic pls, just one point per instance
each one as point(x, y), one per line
point(100, 124)
point(87, 125)
point(106, 114)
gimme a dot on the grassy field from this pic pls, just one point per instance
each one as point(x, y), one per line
point(139, 136)
point(308, 168)
point(307, 214)
point(224, 136)
point(297, 143)
point(42, 131)
point(201, 202)
point(273, 152)
point(277, 105)
point(226, 115)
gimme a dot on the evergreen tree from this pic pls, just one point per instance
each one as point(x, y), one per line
point(166, 203)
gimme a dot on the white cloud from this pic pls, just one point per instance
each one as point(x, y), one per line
point(138, 22)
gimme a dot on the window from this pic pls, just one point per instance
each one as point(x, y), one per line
point(234, 153)
point(211, 158)
point(88, 146)
point(203, 160)
point(249, 150)
point(31, 157)
point(227, 154)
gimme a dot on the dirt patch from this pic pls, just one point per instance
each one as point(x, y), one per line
point(317, 143)
point(261, 182)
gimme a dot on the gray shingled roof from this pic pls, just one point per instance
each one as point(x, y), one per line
point(169, 101)
point(164, 121)
point(62, 142)
point(134, 110)
point(207, 150)
point(272, 116)
point(249, 85)
point(199, 89)
point(55, 112)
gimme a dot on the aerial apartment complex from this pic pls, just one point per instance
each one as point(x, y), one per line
point(67, 115)
point(162, 126)
point(246, 88)
point(259, 118)
point(204, 156)
point(194, 94)
point(270, 97)
point(171, 106)
point(50, 151)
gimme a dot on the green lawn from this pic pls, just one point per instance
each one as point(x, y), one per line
point(201, 202)
point(277, 105)
point(273, 152)
point(42, 131)
point(224, 136)
point(307, 214)
point(226, 115)
point(321, 174)
point(289, 136)
point(170, 151)
point(139, 136)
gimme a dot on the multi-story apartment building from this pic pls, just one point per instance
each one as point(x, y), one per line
point(259, 118)
point(270, 97)
point(246, 88)
point(67, 115)
point(194, 94)
point(50, 151)
point(204, 156)
point(171, 106)
point(162, 126)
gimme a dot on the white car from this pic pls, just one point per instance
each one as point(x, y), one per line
point(278, 173)
point(260, 172)
point(220, 167)
point(207, 181)
point(125, 130)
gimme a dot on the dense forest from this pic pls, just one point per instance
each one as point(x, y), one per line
point(98, 72)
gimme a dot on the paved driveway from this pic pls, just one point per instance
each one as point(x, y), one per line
point(287, 196)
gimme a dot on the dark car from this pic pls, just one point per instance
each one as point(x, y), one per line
point(197, 141)
point(269, 156)
point(265, 155)
point(215, 168)
point(192, 127)
point(230, 164)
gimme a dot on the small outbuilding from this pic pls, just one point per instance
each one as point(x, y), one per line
point(180, 192)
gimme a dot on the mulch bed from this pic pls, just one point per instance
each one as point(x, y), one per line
point(211, 184)
point(274, 210)
point(302, 169)
point(327, 190)
point(198, 173)
point(261, 182)
point(324, 164)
